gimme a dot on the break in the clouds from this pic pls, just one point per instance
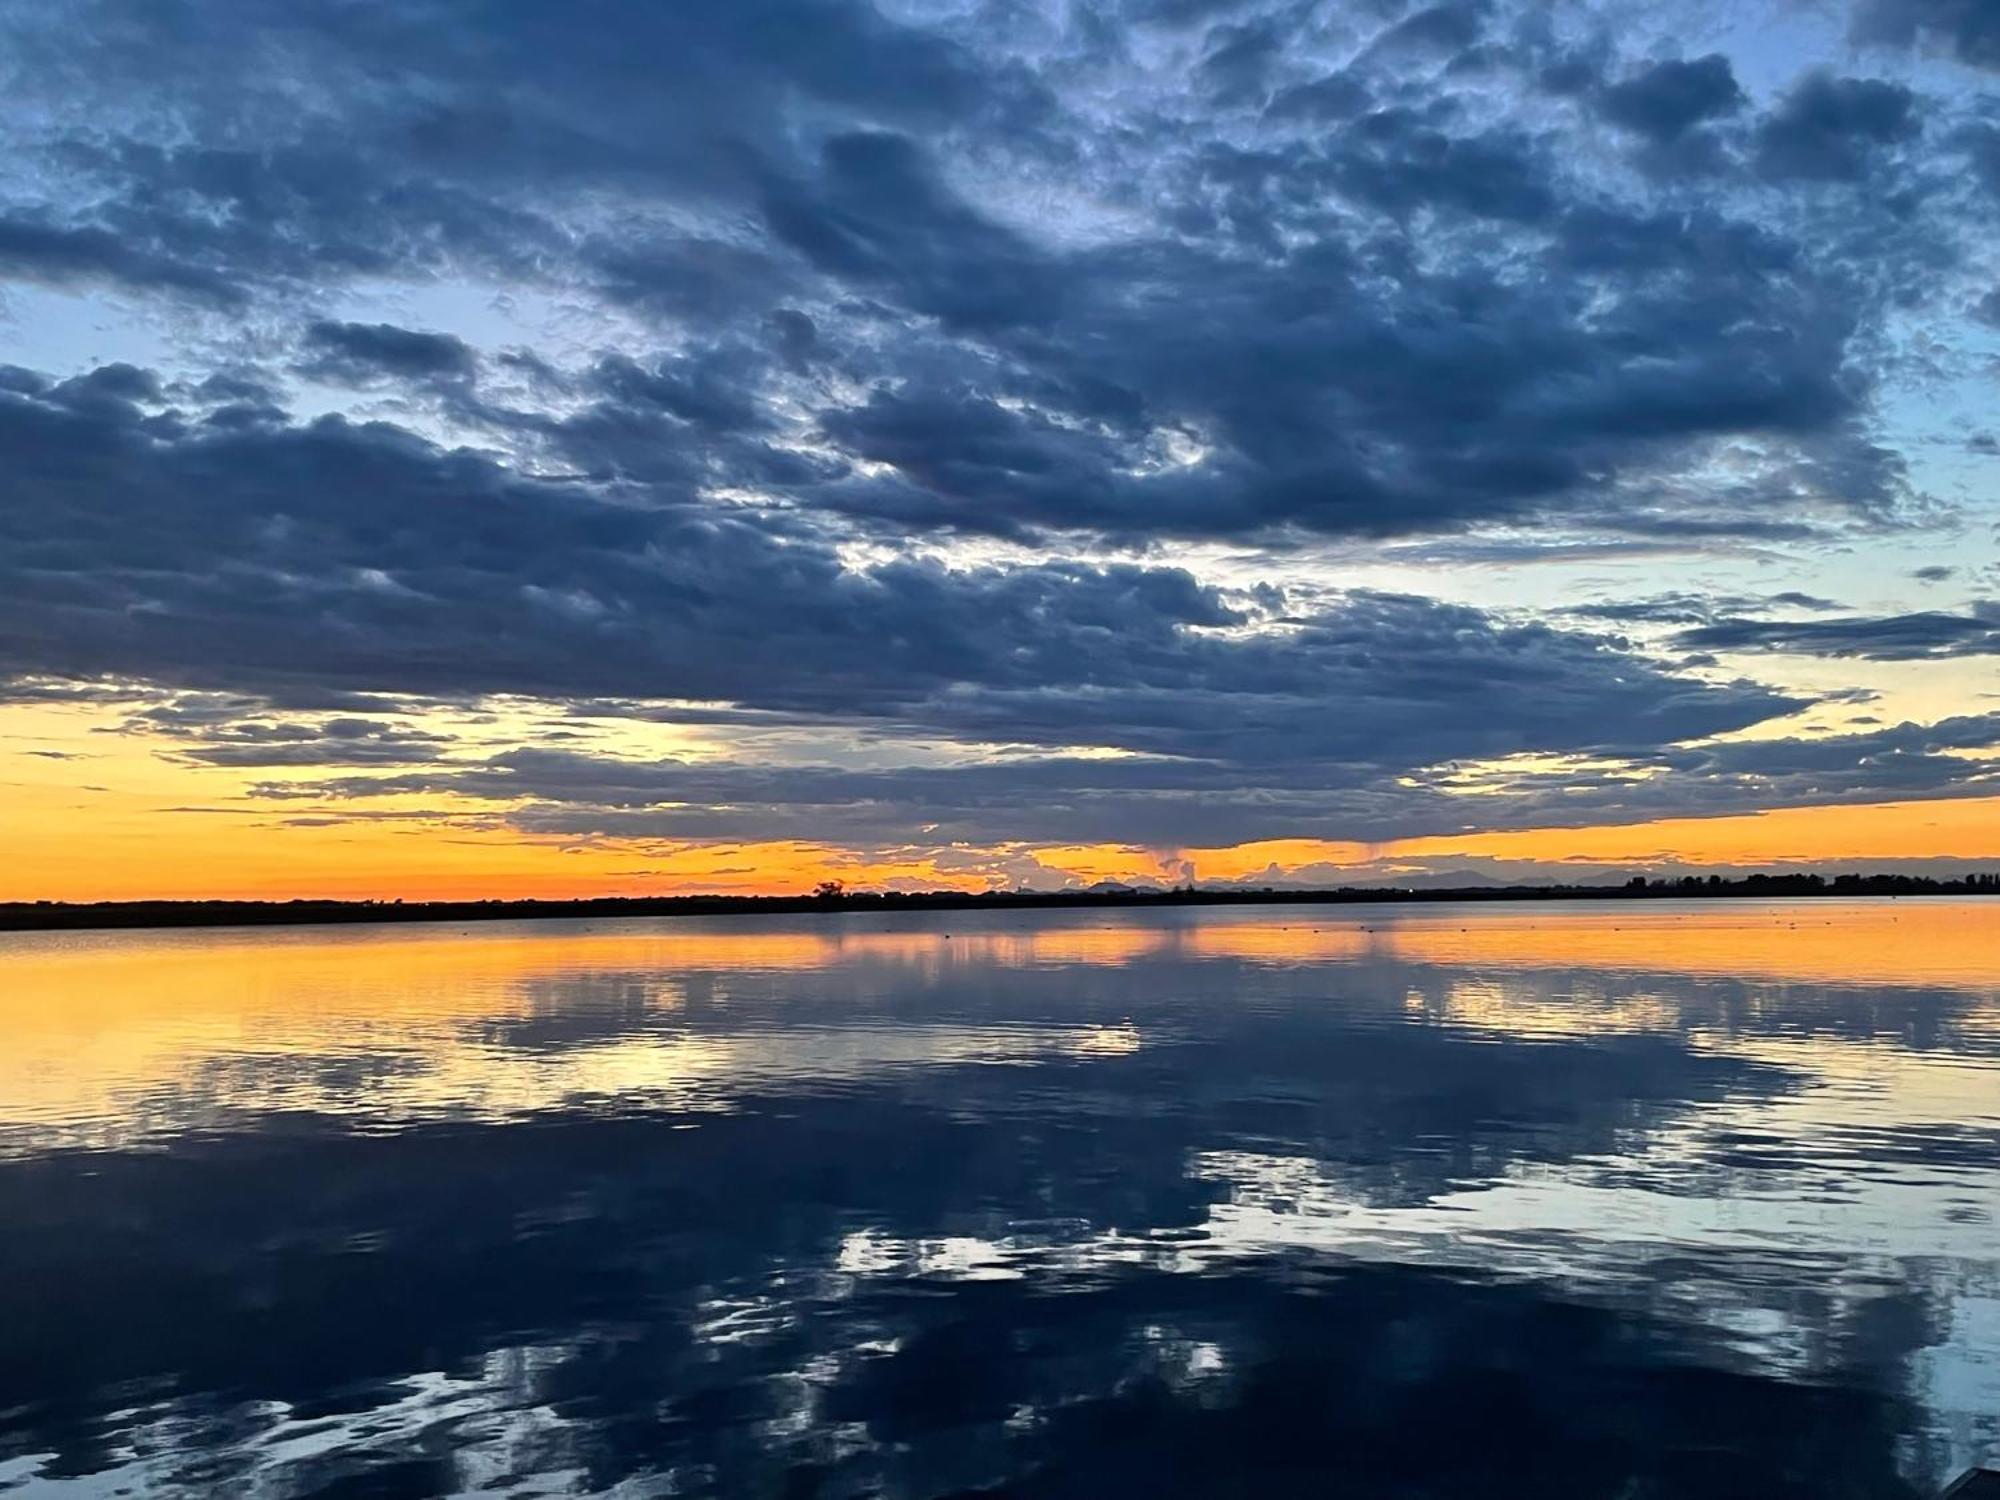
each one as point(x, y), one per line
point(999, 423)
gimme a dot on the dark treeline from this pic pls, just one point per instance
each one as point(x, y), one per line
point(27, 915)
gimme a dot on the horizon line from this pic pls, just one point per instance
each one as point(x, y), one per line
point(168, 912)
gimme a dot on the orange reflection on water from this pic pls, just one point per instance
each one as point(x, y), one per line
point(98, 983)
point(126, 1031)
point(92, 1023)
point(1950, 943)
point(93, 981)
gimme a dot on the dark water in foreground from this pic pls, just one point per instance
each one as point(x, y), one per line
point(1630, 1202)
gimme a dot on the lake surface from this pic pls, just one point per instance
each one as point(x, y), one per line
point(1629, 1200)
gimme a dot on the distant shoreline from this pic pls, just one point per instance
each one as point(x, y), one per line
point(44, 916)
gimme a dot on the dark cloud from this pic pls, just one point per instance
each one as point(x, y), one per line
point(362, 352)
point(1377, 794)
point(1833, 129)
point(1668, 99)
point(1337, 96)
point(1414, 321)
point(333, 742)
point(1691, 608)
point(1330, 396)
point(59, 256)
point(291, 145)
point(356, 558)
point(1239, 62)
point(1968, 29)
point(1906, 760)
point(1438, 28)
point(835, 301)
point(1398, 163)
point(1911, 637)
point(878, 215)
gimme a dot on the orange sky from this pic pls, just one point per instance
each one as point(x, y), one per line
point(127, 847)
point(116, 819)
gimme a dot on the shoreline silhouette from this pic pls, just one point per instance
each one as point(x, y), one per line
point(33, 916)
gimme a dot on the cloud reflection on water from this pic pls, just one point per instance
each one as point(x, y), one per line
point(758, 1207)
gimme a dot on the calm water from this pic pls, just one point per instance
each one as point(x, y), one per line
point(1622, 1201)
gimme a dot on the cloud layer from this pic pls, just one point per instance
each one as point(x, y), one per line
point(984, 383)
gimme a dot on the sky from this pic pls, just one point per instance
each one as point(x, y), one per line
point(509, 448)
